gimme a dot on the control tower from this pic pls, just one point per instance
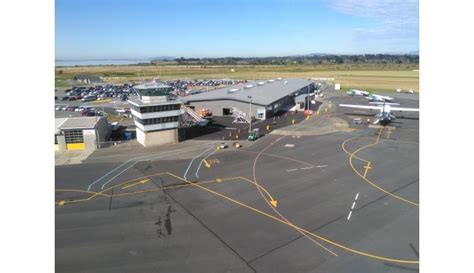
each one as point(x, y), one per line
point(155, 115)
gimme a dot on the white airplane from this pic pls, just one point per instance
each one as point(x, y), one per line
point(355, 92)
point(385, 115)
point(379, 98)
point(410, 91)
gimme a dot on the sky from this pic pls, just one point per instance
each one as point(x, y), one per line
point(137, 29)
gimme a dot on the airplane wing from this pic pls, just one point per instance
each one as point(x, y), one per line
point(404, 109)
point(370, 107)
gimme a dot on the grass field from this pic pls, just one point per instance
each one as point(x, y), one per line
point(372, 77)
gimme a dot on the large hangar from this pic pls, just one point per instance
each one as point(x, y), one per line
point(266, 97)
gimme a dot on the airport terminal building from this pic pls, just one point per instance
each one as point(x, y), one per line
point(266, 97)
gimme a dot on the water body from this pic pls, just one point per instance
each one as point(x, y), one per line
point(98, 62)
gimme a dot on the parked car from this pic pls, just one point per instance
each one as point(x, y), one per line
point(70, 109)
point(222, 146)
point(58, 108)
point(89, 98)
point(63, 108)
point(65, 98)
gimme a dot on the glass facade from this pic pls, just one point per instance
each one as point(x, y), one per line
point(151, 121)
point(156, 108)
point(158, 91)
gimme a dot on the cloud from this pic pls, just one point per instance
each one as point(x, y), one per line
point(396, 19)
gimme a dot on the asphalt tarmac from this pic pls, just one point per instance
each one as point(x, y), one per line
point(346, 202)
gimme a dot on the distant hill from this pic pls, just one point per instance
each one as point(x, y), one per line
point(315, 54)
point(415, 52)
point(161, 58)
point(310, 55)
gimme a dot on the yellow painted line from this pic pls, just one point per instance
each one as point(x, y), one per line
point(389, 133)
point(352, 155)
point(253, 209)
point(207, 163)
point(390, 140)
point(367, 167)
point(343, 145)
point(382, 258)
point(214, 161)
point(134, 184)
point(81, 191)
point(160, 189)
point(129, 181)
point(273, 201)
point(101, 194)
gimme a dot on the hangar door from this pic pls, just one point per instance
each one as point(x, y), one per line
point(74, 139)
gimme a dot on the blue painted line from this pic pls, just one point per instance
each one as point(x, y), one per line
point(136, 159)
point(192, 160)
point(105, 175)
point(108, 181)
point(142, 158)
point(200, 164)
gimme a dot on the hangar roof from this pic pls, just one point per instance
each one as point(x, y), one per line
point(262, 92)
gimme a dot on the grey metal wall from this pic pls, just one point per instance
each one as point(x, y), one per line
point(103, 130)
point(217, 107)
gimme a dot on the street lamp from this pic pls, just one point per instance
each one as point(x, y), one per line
point(308, 98)
point(250, 113)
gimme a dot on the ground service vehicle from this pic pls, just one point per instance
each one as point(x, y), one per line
point(204, 113)
point(222, 146)
point(254, 134)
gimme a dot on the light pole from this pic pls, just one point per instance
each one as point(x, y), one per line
point(250, 113)
point(308, 98)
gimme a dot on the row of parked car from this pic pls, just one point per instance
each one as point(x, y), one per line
point(99, 92)
point(182, 85)
point(86, 111)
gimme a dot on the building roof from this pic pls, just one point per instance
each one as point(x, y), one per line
point(262, 92)
point(58, 123)
point(77, 123)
